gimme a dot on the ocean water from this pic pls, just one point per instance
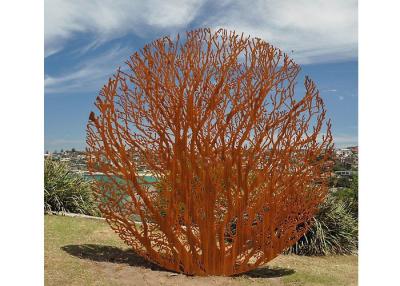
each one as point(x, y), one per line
point(115, 193)
point(98, 177)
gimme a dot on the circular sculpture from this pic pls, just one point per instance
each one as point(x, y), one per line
point(212, 163)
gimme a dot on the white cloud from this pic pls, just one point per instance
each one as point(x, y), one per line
point(107, 19)
point(316, 31)
point(89, 75)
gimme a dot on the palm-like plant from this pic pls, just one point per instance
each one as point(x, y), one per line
point(66, 191)
point(335, 231)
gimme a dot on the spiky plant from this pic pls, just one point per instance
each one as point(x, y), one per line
point(66, 191)
point(335, 231)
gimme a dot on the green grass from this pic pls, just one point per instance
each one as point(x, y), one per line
point(81, 251)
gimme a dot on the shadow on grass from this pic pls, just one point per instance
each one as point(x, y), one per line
point(104, 253)
point(268, 272)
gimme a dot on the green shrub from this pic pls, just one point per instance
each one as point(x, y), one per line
point(350, 196)
point(334, 231)
point(341, 166)
point(343, 182)
point(66, 191)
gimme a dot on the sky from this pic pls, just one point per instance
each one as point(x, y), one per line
point(86, 41)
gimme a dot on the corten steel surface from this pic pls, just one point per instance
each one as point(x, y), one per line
point(241, 161)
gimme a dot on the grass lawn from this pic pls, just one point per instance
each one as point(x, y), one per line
point(81, 251)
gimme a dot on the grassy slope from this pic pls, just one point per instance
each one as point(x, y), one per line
point(86, 252)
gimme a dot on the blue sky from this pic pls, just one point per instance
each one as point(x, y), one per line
point(86, 41)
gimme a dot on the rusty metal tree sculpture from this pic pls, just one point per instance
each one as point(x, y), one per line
point(240, 160)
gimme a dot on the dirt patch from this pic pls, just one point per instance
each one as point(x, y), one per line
point(124, 267)
point(141, 276)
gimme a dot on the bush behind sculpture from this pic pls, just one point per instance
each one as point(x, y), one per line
point(240, 158)
point(334, 230)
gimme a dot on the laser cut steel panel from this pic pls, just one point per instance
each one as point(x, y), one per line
point(240, 163)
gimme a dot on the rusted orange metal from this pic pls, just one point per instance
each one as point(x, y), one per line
point(240, 160)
